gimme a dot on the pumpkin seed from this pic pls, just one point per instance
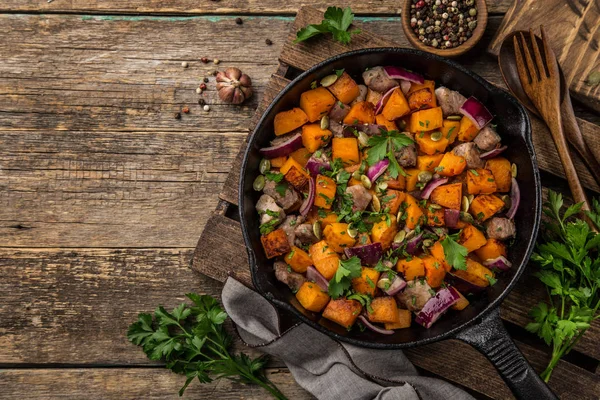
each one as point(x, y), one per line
point(356, 175)
point(376, 204)
point(466, 217)
point(436, 136)
point(329, 80)
point(465, 204)
point(259, 183)
point(440, 232)
point(384, 283)
point(410, 234)
point(427, 243)
point(507, 201)
point(264, 166)
point(352, 232)
point(366, 182)
point(434, 206)
point(400, 236)
point(513, 170)
point(317, 230)
point(325, 122)
point(471, 197)
point(454, 117)
point(399, 216)
point(382, 186)
point(424, 176)
point(363, 139)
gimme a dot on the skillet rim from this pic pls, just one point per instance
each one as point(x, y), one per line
point(526, 134)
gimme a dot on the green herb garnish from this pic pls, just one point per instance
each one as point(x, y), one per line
point(342, 280)
point(336, 21)
point(456, 254)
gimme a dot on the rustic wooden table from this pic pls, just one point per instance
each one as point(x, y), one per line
point(104, 192)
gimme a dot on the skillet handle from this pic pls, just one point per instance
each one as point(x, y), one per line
point(491, 338)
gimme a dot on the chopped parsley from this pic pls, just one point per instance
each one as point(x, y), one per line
point(456, 254)
point(268, 227)
point(339, 72)
point(383, 146)
point(274, 176)
point(342, 280)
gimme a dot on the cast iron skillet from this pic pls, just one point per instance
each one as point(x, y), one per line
point(479, 324)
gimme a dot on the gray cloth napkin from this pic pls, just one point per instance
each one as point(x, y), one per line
point(329, 369)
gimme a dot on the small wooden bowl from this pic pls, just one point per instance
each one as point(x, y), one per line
point(482, 19)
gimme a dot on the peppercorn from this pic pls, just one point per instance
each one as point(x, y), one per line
point(186, 110)
point(205, 80)
point(184, 64)
point(268, 42)
point(203, 86)
point(239, 21)
point(204, 60)
point(177, 115)
point(201, 102)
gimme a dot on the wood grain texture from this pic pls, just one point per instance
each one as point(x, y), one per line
point(128, 383)
point(574, 31)
point(191, 7)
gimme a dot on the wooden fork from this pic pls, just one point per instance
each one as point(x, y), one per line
point(541, 82)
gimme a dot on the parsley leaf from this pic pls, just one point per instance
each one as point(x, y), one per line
point(336, 21)
point(274, 176)
point(456, 254)
point(342, 280)
point(268, 227)
point(281, 188)
point(191, 341)
point(339, 72)
point(384, 145)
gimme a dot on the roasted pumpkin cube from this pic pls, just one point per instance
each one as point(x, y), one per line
point(429, 146)
point(434, 271)
point(346, 149)
point(392, 201)
point(367, 282)
point(491, 249)
point(462, 302)
point(423, 98)
point(396, 106)
point(298, 260)
point(275, 243)
point(329, 218)
point(289, 163)
point(312, 297)
point(429, 162)
point(301, 156)
point(480, 181)
point(484, 206)
point(412, 211)
point(324, 191)
point(287, 121)
point(451, 165)
point(343, 312)
point(383, 309)
point(434, 216)
point(404, 320)
point(411, 268)
point(467, 130)
point(384, 231)
point(278, 162)
point(316, 103)
point(296, 178)
point(437, 251)
point(471, 238)
point(345, 88)
point(500, 168)
point(427, 84)
point(313, 137)
point(450, 130)
point(426, 120)
point(449, 196)
point(411, 178)
point(360, 113)
point(388, 125)
point(475, 273)
point(336, 234)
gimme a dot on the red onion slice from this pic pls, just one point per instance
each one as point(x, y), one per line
point(374, 328)
point(432, 185)
point(383, 100)
point(313, 275)
point(315, 166)
point(401, 73)
point(284, 148)
point(412, 245)
point(310, 199)
point(499, 262)
point(394, 287)
point(515, 199)
point(437, 306)
point(493, 153)
point(451, 217)
point(375, 171)
point(405, 86)
point(476, 112)
point(369, 254)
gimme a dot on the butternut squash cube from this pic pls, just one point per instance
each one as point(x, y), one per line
point(316, 103)
point(366, 283)
point(312, 297)
point(345, 89)
point(287, 121)
point(383, 309)
point(343, 312)
point(337, 236)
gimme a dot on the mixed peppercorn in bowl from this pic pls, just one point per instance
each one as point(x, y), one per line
point(385, 199)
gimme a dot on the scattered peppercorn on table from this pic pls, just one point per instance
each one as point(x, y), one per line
point(110, 168)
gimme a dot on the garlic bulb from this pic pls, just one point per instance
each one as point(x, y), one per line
point(234, 86)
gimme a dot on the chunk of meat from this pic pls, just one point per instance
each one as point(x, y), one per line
point(407, 156)
point(378, 80)
point(305, 234)
point(289, 201)
point(362, 95)
point(336, 128)
point(415, 295)
point(449, 100)
point(289, 227)
point(284, 274)
point(338, 112)
point(470, 153)
point(487, 139)
point(501, 228)
point(360, 197)
point(267, 203)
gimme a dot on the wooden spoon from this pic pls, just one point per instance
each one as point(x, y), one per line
point(508, 68)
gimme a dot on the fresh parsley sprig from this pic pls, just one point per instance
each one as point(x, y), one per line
point(336, 21)
point(455, 253)
point(570, 270)
point(192, 341)
point(342, 280)
point(384, 145)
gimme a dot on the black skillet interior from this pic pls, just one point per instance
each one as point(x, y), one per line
point(513, 126)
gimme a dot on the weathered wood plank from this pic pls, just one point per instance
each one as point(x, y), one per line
point(190, 7)
point(110, 189)
point(128, 383)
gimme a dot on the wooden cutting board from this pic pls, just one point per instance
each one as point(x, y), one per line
point(574, 30)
